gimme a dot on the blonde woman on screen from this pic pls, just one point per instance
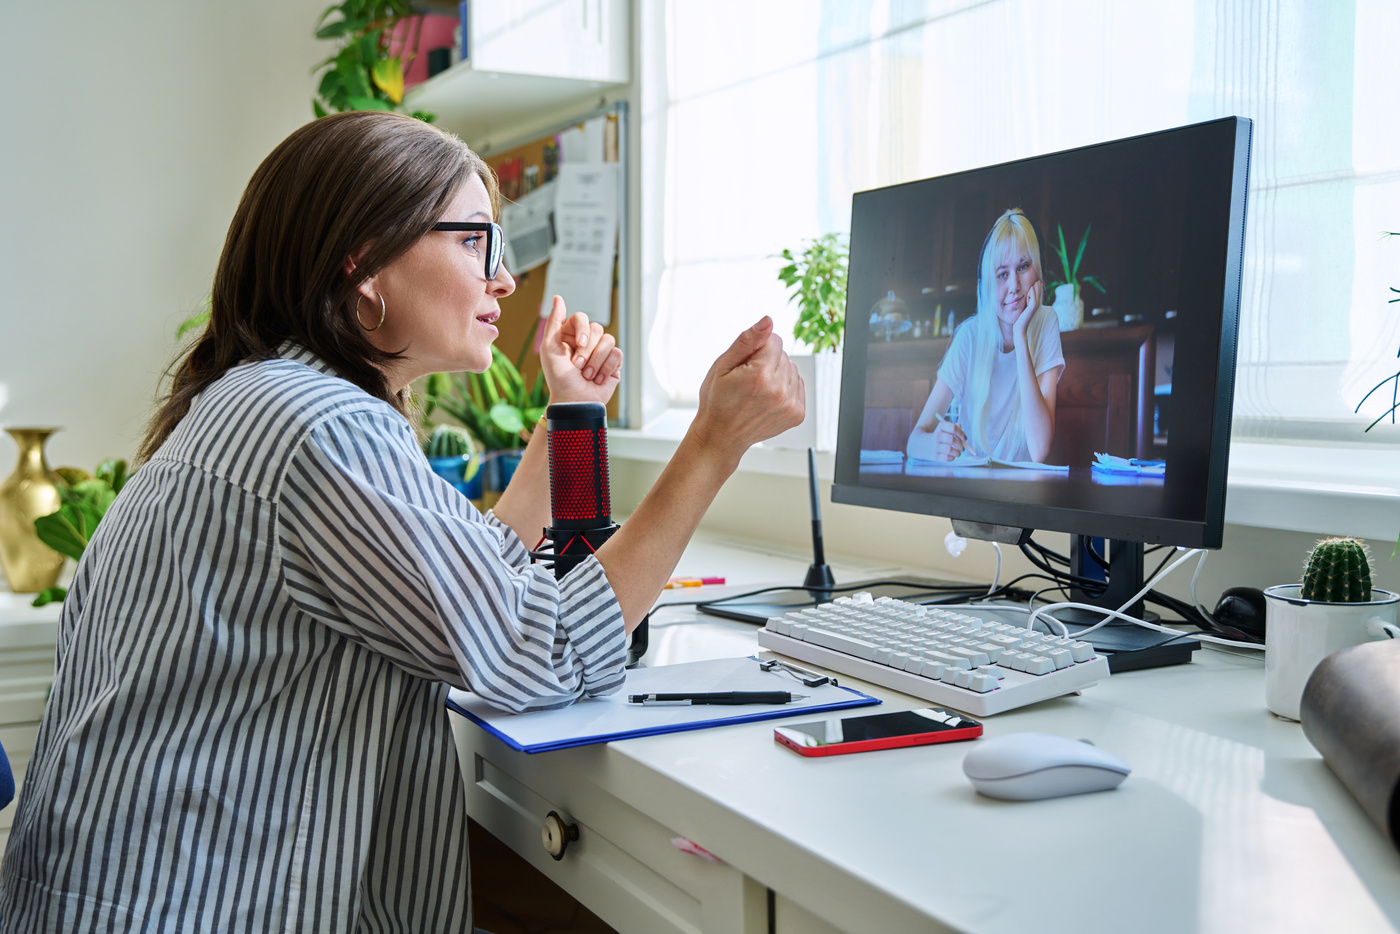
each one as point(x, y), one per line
point(1002, 368)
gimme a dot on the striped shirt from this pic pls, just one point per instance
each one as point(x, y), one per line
point(247, 729)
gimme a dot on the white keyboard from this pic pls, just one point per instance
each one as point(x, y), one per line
point(944, 656)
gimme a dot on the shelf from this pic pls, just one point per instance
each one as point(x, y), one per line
point(475, 104)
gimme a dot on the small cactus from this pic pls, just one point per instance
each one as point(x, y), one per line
point(449, 441)
point(1338, 571)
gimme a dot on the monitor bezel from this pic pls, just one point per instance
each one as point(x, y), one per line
point(1205, 533)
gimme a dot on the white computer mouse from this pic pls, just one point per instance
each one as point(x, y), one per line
point(1029, 766)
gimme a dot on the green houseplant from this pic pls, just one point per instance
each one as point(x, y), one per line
point(85, 498)
point(816, 278)
point(1068, 302)
point(364, 73)
point(498, 407)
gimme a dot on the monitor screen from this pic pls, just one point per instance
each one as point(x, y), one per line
point(1050, 343)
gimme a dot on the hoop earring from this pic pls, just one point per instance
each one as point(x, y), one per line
point(383, 310)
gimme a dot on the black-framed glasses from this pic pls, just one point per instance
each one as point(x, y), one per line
point(495, 241)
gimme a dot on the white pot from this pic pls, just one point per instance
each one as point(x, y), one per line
point(821, 375)
point(1301, 633)
point(1069, 307)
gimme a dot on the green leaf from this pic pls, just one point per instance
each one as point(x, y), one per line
point(507, 418)
point(369, 103)
point(112, 472)
point(424, 115)
point(1079, 254)
point(333, 30)
point(317, 110)
point(50, 595)
point(68, 530)
point(330, 83)
point(199, 319)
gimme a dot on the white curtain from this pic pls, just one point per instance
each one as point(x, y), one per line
point(761, 117)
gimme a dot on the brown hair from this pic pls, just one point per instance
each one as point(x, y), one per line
point(363, 179)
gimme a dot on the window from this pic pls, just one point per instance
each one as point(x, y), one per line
point(761, 118)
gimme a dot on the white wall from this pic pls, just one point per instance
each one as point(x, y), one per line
point(127, 134)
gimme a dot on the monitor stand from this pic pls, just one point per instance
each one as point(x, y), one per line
point(1126, 646)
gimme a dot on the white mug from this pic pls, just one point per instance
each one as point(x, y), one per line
point(1301, 633)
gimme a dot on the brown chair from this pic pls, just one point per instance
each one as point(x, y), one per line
point(1104, 399)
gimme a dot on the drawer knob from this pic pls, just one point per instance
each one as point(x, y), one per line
point(556, 833)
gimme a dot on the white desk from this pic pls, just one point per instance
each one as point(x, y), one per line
point(1230, 821)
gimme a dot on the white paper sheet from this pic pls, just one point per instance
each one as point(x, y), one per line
point(585, 217)
point(600, 719)
point(529, 228)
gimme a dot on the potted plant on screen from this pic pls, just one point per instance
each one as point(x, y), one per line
point(498, 407)
point(816, 278)
point(1068, 302)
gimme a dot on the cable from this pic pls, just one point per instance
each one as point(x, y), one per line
point(997, 576)
point(1119, 614)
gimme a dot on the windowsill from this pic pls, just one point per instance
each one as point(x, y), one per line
point(1325, 489)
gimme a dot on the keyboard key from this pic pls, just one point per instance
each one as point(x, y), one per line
point(981, 683)
point(1082, 651)
point(840, 642)
point(972, 655)
point(1039, 665)
point(1062, 658)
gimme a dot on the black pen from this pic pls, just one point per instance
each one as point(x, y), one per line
point(725, 697)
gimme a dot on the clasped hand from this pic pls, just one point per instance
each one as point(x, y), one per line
point(751, 393)
point(1033, 298)
point(581, 361)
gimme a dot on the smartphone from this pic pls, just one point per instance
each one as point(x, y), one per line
point(881, 731)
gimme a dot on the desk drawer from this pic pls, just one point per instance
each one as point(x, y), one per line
point(632, 876)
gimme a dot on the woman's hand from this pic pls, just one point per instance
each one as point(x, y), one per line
point(752, 392)
point(1033, 297)
point(581, 361)
point(949, 440)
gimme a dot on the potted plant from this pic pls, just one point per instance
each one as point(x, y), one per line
point(367, 70)
point(1333, 607)
point(84, 499)
point(499, 409)
point(1068, 303)
point(452, 455)
point(816, 277)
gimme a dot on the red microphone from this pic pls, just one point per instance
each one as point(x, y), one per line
point(579, 496)
point(580, 500)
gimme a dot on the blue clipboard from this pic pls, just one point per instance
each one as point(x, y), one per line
point(604, 719)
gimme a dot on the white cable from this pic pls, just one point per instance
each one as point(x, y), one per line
point(1195, 601)
point(1030, 621)
point(1118, 613)
point(996, 578)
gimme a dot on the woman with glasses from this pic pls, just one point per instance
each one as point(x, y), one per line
point(247, 729)
point(995, 393)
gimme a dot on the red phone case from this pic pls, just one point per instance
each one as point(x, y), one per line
point(892, 742)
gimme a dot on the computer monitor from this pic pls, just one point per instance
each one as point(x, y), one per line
point(1114, 421)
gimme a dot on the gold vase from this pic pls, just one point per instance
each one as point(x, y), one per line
point(30, 492)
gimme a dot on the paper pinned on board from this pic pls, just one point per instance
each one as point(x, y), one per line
point(586, 219)
point(528, 225)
